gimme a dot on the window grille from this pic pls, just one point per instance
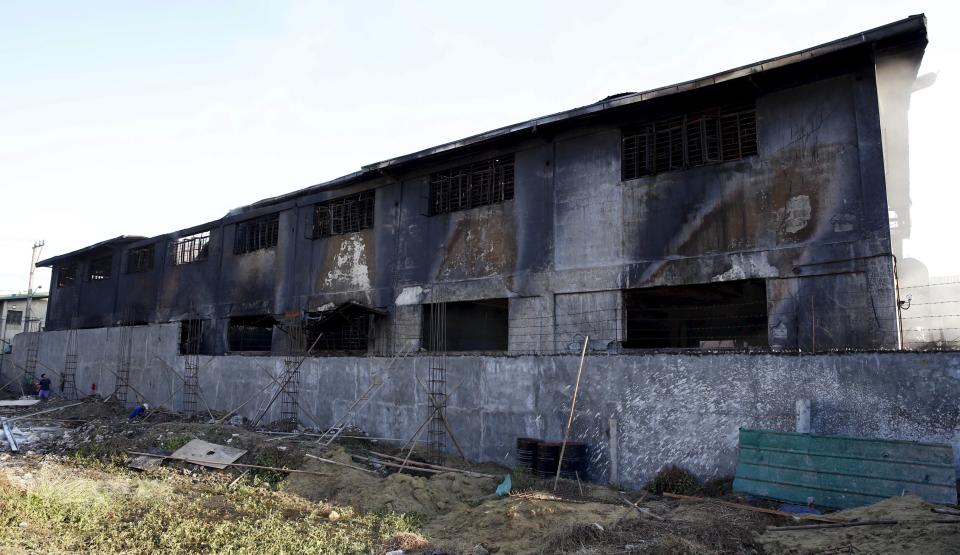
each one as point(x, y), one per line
point(14, 317)
point(140, 260)
point(471, 185)
point(66, 276)
point(100, 268)
point(192, 248)
point(343, 215)
point(254, 235)
point(696, 139)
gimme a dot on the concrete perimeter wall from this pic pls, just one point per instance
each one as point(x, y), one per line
point(681, 409)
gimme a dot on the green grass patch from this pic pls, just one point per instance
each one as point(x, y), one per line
point(68, 508)
point(173, 443)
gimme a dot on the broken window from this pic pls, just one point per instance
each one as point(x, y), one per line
point(100, 268)
point(344, 328)
point(140, 260)
point(191, 336)
point(726, 315)
point(471, 185)
point(66, 276)
point(254, 235)
point(466, 326)
point(250, 333)
point(343, 215)
point(191, 248)
point(715, 135)
point(14, 317)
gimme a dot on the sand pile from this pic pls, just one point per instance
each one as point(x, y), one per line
point(397, 492)
point(518, 525)
point(911, 535)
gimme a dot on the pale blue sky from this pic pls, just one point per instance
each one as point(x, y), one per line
point(146, 117)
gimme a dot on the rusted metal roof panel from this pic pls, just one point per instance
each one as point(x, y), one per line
point(841, 472)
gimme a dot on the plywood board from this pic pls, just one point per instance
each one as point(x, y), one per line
point(204, 453)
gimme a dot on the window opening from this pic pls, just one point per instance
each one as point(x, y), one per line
point(191, 248)
point(344, 328)
point(140, 260)
point(471, 185)
point(191, 337)
point(250, 333)
point(258, 234)
point(100, 268)
point(66, 276)
point(343, 215)
point(728, 315)
point(14, 317)
point(709, 136)
point(470, 325)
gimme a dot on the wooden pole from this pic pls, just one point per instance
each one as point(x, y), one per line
point(614, 444)
point(573, 405)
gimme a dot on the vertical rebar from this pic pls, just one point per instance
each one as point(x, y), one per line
point(193, 328)
point(296, 353)
point(68, 384)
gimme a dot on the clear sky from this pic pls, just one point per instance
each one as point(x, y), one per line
point(142, 118)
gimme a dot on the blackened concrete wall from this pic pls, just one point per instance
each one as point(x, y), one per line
point(808, 214)
point(681, 409)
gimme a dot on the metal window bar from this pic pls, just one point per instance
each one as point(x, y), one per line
point(695, 139)
point(348, 214)
point(100, 268)
point(471, 185)
point(254, 235)
point(140, 260)
point(190, 249)
point(66, 276)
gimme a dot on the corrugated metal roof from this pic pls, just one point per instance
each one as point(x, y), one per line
point(122, 239)
point(841, 472)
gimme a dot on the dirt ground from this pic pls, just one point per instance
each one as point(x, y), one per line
point(457, 513)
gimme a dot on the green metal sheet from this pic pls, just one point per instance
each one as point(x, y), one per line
point(841, 472)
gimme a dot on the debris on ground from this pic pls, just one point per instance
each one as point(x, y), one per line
point(355, 492)
point(915, 531)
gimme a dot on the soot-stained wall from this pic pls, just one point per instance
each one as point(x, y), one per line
point(808, 214)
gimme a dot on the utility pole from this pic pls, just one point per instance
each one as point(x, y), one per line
point(34, 255)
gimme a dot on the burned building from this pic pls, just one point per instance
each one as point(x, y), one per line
point(707, 237)
point(747, 210)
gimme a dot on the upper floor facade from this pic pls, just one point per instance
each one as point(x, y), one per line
point(773, 179)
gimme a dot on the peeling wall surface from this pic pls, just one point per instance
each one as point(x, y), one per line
point(808, 214)
point(681, 409)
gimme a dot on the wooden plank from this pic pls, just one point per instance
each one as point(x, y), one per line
point(842, 472)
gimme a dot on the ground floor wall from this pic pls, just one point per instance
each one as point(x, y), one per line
point(670, 408)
